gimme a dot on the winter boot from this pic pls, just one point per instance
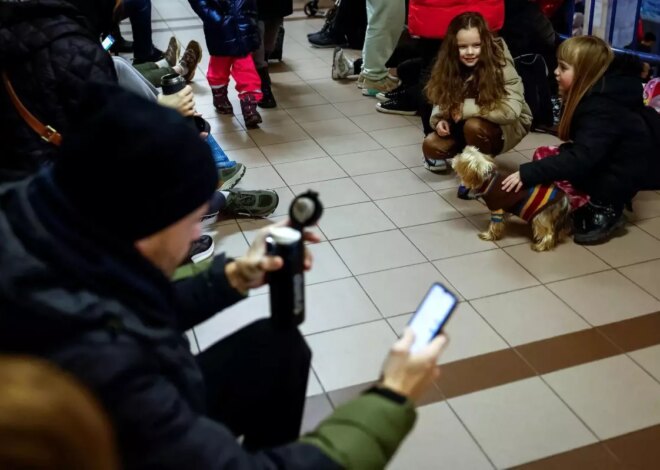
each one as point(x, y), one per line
point(267, 100)
point(251, 116)
point(221, 101)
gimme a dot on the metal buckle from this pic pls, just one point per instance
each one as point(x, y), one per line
point(50, 132)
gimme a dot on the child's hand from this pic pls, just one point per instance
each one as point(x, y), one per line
point(512, 182)
point(442, 128)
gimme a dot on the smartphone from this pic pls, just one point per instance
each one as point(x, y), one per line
point(431, 315)
point(108, 42)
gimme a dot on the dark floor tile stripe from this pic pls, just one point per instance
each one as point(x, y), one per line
point(639, 449)
point(482, 372)
point(568, 350)
point(635, 333)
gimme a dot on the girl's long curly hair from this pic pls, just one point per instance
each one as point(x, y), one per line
point(447, 83)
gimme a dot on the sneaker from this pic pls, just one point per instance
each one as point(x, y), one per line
point(399, 106)
point(252, 203)
point(323, 39)
point(229, 177)
point(216, 203)
point(172, 52)
point(221, 100)
point(200, 250)
point(390, 95)
point(360, 81)
point(342, 67)
point(373, 87)
point(190, 60)
point(435, 166)
point(251, 116)
point(595, 223)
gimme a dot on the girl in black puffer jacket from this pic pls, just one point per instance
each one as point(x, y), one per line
point(230, 28)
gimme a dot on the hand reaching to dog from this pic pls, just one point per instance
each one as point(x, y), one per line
point(512, 183)
point(442, 128)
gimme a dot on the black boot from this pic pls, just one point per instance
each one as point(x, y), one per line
point(595, 222)
point(267, 100)
point(120, 44)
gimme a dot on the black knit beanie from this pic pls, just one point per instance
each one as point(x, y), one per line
point(131, 167)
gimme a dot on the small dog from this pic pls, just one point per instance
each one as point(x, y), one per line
point(546, 207)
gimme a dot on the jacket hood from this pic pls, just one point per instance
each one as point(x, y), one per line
point(30, 25)
point(59, 278)
point(620, 85)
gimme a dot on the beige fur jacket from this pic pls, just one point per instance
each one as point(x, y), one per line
point(512, 113)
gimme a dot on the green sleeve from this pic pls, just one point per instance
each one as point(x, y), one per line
point(365, 433)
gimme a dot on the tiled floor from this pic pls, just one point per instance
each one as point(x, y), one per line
point(554, 359)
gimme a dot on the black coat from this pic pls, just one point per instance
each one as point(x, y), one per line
point(612, 154)
point(103, 313)
point(49, 50)
point(230, 26)
point(274, 9)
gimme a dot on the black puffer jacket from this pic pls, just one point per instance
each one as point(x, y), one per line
point(49, 49)
point(612, 154)
point(274, 9)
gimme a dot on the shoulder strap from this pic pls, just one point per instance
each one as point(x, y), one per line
point(47, 133)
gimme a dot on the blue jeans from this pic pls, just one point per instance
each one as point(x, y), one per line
point(220, 157)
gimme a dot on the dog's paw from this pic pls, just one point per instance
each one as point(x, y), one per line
point(487, 236)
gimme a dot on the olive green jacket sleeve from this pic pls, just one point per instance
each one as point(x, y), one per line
point(365, 433)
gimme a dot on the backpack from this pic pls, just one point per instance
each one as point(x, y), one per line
point(652, 94)
point(534, 74)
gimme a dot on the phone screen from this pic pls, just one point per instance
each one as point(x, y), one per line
point(108, 42)
point(431, 315)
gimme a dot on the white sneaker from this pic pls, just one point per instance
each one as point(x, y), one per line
point(342, 66)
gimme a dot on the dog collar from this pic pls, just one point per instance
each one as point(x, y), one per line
point(487, 186)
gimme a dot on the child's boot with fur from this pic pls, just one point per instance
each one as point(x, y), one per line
point(221, 101)
point(251, 116)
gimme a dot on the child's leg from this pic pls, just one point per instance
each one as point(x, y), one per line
point(484, 135)
point(218, 77)
point(246, 77)
point(577, 198)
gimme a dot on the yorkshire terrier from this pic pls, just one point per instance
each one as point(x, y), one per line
point(546, 207)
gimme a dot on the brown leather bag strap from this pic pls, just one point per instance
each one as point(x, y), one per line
point(47, 133)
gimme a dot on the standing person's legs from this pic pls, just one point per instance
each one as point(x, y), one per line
point(385, 19)
point(218, 77)
point(248, 85)
point(139, 14)
point(256, 380)
point(268, 30)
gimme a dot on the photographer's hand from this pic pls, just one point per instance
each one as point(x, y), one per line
point(249, 271)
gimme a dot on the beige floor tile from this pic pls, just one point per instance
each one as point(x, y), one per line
point(398, 291)
point(352, 355)
point(469, 335)
point(223, 124)
point(565, 261)
point(309, 171)
point(234, 140)
point(263, 177)
point(651, 226)
point(251, 158)
point(275, 118)
point(446, 239)
point(384, 121)
point(605, 297)
point(646, 275)
point(417, 209)
point(391, 184)
point(232, 319)
point(632, 247)
point(297, 100)
point(467, 208)
point(328, 265)
point(613, 396)
point(482, 274)
point(278, 134)
point(432, 445)
point(356, 219)
point(409, 155)
point(358, 107)
point(330, 127)
point(319, 112)
point(646, 205)
point(293, 151)
point(398, 136)
point(649, 359)
point(313, 385)
point(376, 252)
point(348, 144)
point(518, 232)
point(333, 193)
point(336, 304)
point(534, 140)
point(228, 238)
point(372, 161)
point(437, 181)
point(529, 315)
point(286, 197)
point(520, 422)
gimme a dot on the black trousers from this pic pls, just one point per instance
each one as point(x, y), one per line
point(351, 21)
point(256, 381)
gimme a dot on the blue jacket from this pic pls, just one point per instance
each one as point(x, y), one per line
point(230, 26)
